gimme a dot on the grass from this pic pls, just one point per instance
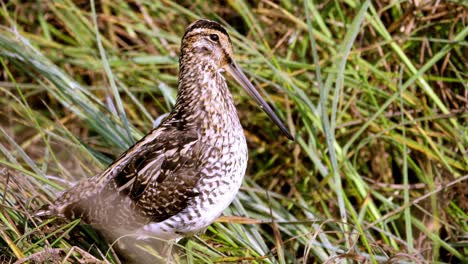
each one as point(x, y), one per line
point(374, 91)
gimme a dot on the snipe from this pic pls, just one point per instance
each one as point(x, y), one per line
point(181, 176)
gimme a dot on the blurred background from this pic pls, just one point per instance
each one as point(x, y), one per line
point(374, 92)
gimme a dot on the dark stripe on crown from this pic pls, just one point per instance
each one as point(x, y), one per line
point(205, 23)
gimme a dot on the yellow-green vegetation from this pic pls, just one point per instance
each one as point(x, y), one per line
point(374, 91)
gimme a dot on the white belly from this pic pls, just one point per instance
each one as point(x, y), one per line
point(210, 204)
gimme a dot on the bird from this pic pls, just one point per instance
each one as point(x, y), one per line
point(183, 174)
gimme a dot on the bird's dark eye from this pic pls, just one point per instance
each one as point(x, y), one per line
point(214, 37)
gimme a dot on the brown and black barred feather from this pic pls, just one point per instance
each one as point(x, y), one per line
point(155, 179)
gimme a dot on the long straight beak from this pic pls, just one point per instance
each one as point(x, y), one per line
point(240, 77)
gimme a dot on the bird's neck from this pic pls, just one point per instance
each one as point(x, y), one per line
point(204, 100)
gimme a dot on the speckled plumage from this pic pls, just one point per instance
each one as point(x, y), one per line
point(181, 176)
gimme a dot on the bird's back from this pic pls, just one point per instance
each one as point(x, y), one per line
point(176, 180)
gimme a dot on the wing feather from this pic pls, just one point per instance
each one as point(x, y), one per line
point(160, 175)
point(150, 182)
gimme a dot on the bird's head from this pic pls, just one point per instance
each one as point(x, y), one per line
point(207, 44)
